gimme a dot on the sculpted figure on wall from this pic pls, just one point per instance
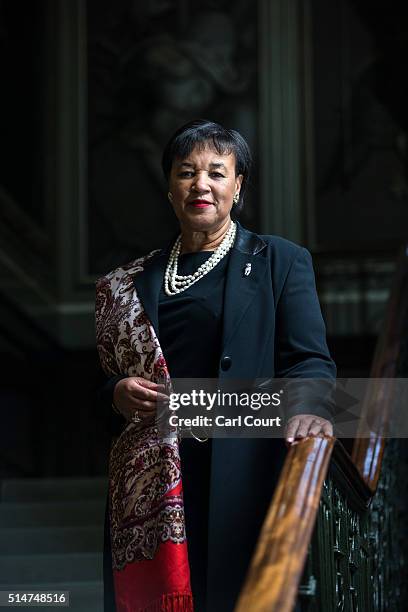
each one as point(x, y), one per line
point(150, 85)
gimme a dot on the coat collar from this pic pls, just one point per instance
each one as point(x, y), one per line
point(248, 242)
point(239, 288)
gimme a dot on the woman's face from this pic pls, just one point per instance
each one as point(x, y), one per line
point(203, 186)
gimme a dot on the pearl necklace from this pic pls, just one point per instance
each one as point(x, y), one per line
point(175, 283)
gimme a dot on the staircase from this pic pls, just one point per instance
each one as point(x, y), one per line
point(51, 538)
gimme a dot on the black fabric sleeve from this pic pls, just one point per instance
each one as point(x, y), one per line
point(300, 347)
point(105, 400)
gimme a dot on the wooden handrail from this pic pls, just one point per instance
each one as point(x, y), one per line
point(276, 568)
point(277, 565)
point(368, 452)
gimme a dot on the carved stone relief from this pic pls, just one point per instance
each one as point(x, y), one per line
point(151, 68)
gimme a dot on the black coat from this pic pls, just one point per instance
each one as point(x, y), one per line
point(272, 328)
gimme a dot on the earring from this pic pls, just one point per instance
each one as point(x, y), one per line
point(235, 198)
point(170, 196)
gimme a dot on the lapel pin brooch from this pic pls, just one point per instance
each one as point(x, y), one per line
point(247, 269)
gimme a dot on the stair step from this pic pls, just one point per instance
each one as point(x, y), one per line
point(83, 596)
point(36, 569)
point(40, 540)
point(52, 514)
point(53, 489)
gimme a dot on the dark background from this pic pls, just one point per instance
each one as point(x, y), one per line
point(90, 93)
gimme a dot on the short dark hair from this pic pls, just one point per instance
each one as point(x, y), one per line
point(201, 132)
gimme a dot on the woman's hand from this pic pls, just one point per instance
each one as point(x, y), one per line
point(303, 425)
point(136, 398)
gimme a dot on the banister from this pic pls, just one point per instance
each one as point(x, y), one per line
point(277, 565)
point(276, 568)
point(368, 452)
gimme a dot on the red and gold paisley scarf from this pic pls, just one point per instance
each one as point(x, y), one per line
point(149, 548)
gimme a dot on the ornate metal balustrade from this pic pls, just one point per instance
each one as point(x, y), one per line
point(356, 558)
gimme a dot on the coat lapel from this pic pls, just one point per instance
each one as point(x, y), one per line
point(240, 288)
point(148, 284)
point(230, 473)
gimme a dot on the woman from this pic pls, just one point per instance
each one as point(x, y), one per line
point(219, 302)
